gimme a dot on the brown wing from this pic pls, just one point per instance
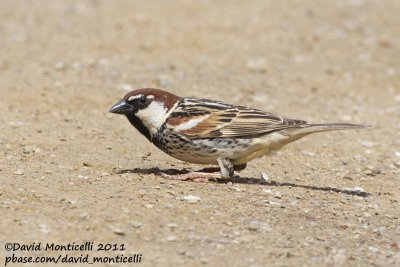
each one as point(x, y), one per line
point(211, 119)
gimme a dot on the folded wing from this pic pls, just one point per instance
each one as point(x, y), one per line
point(201, 118)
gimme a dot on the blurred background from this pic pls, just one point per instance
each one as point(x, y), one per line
point(64, 63)
point(300, 48)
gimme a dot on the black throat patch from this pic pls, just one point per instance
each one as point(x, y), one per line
point(135, 121)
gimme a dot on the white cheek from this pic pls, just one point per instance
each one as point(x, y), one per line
point(153, 116)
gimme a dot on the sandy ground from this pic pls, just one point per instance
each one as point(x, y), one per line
point(72, 172)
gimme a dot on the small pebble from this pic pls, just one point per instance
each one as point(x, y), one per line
point(372, 171)
point(136, 224)
point(171, 225)
point(19, 172)
point(203, 261)
point(390, 71)
point(59, 66)
point(355, 189)
point(373, 249)
point(347, 176)
point(308, 153)
point(272, 203)
point(171, 238)
point(268, 191)
point(376, 171)
point(191, 198)
point(264, 177)
point(19, 123)
point(259, 227)
point(299, 59)
point(170, 192)
point(368, 172)
point(72, 201)
point(346, 118)
point(117, 230)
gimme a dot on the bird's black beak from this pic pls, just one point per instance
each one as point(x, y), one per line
point(122, 107)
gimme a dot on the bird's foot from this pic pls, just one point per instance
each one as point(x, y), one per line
point(200, 177)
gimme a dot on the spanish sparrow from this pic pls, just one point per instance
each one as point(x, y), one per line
point(205, 131)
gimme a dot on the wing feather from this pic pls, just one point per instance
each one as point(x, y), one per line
point(226, 121)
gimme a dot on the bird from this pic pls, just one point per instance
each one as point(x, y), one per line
point(205, 131)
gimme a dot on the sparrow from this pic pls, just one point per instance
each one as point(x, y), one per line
point(204, 131)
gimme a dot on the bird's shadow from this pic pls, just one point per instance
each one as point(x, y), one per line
point(245, 180)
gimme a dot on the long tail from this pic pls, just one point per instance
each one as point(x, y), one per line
point(324, 127)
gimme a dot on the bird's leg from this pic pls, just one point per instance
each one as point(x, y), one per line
point(226, 167)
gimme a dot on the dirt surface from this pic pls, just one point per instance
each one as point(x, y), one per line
point(72, 172)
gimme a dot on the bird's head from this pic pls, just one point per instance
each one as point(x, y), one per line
point(146, 109)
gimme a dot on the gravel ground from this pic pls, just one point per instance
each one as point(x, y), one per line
point(72, 172)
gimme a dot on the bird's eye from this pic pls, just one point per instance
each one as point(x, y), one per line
point(142, 100)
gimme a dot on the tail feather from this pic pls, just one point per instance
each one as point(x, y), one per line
point(325, 127)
